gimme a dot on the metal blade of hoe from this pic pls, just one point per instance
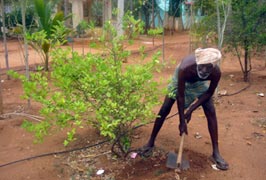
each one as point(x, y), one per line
point(178, 162)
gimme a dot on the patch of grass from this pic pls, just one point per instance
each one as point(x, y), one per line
point(159, 172)
point(260, 122)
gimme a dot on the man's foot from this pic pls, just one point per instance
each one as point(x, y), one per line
point(220, 162)
point(145, 151)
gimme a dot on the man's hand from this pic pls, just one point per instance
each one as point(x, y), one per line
point(188, 116)
point(183, 128)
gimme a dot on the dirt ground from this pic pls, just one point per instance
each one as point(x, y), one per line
point(241, 118)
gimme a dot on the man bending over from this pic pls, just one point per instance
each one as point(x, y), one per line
point(195, 78)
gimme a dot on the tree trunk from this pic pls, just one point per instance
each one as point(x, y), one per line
point(107, 11)
point(66, 8)
point(180, 26)
point(1, 99)
point(153, 25)
point(221, 25)
point(146, 14)
point(46, 65)
point(4, 35)
point(77, 10)
point(218, 24)
point(26, 53)
point(246, 71)
point(120, 15)
point(6, 53)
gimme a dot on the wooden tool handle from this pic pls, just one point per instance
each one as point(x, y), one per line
point(180, 151)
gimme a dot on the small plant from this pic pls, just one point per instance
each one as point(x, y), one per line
point(155, 32)
point(82, 27)
point(43, 43)
point(51, 29)
point(131, 26)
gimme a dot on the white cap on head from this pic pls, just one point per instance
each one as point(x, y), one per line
point(208, 55)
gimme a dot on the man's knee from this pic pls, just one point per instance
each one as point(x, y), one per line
point(165, 110)
point(166, 107)
point(209, 107)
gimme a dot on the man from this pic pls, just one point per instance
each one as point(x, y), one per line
point(194, 80)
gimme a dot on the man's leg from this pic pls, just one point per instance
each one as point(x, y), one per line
point(163, 113)
point(210, 114)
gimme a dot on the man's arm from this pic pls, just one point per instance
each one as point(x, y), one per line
point(215, 78)
point(181, 101)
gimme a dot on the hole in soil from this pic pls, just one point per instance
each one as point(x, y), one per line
point(154, 167)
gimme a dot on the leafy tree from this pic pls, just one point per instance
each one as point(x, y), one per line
point(221, 25)
point(211, 27)
point(146, 8)
point(204, 32)
point(175, 7)
point(246, 31)
point(206, 7)
point(175, 10)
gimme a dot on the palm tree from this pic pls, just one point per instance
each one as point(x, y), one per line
point(47, 23)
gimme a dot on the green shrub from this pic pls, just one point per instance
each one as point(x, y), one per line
point(95, 90)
